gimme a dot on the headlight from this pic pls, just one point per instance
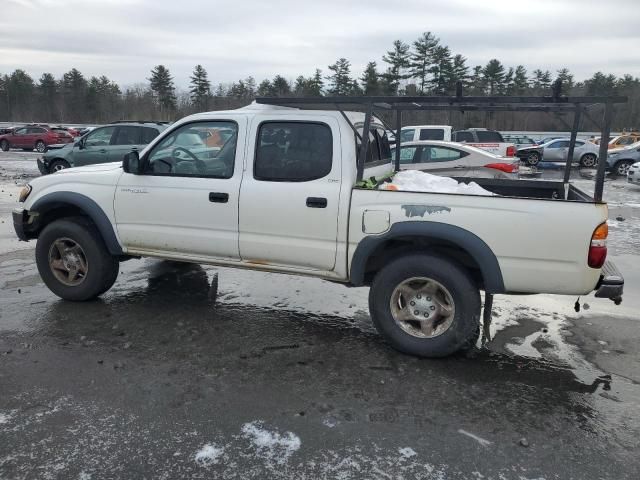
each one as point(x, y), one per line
point(24, 193)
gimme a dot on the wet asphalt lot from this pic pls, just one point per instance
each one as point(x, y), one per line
point(187, 371)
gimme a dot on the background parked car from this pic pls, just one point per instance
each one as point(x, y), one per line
point(103, 144)
point(520, 140)
point(633, 174)
point(489, 140)
point(619, 160)
point(31, 137)
point(455, 160)
point(71, 131)
point(531, 155)
point(586, 153)
point(624, 140)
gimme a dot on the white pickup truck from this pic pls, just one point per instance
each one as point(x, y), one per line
point(281, 195)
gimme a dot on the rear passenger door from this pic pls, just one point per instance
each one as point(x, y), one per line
point(19, 138)
point(438, 160)
point(125, 138)
point(556, 151)
point(290, 194)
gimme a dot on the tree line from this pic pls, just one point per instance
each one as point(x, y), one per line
point(423, 67)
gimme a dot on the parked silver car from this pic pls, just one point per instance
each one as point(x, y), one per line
point(620, 160)
point(557, 150)
point(452, 159)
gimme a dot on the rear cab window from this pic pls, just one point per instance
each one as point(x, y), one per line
point(294, 151)
point(432, 134)
point(489, 136)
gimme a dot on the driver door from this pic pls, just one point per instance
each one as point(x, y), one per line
point(94, 147)
point(186, 202)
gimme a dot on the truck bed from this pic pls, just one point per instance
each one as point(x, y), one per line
point(531, 189)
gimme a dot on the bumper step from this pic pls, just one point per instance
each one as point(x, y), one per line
point(611, 284)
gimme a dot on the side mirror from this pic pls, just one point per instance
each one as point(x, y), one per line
point(131, 163)
point(80, 144)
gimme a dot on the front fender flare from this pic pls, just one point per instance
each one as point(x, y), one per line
point(53, 200)
point(471, 243)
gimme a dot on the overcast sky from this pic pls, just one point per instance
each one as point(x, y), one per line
point(124, 39)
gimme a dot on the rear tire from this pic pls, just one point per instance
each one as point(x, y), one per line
point(4, 145)
point(443, 322)
point(533, 159)
point(621, 168)
point(589, 160)
point(73, 260)
point(40, 146)
point(58, 165)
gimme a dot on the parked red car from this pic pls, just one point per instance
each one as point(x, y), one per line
point(71, 131)
point(33, 136)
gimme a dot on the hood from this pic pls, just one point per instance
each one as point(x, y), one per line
point(56, 153)
point(99, 167)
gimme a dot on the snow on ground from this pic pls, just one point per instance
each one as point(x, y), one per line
point(271, 445)
point(209, 455)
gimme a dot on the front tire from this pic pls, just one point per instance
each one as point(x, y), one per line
point(40, 146)
point(426, 306)
point(73, 260)
point(622, 168)
point(58, 165)
point(4, 145)
point(589, 160)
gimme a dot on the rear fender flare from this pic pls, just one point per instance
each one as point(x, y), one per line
point(471, 243)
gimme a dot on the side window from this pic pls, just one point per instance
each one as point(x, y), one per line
point(293, 152)
point(554, 145)
point(127, 135)
point(626, 141)
point(20, 131)
point(563, 144)
point(148, 134)
point(407, 154)
point(100, 137)
point(186, 153)
point(431, 134)
point(464, 137)
point(441, 154)
point(579, 143)
point(407, 135)
point(35, 131)
point(489, 136)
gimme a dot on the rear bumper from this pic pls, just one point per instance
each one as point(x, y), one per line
point(611, 284)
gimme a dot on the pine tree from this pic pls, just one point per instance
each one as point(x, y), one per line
point(398, 60)
point(371, 80)
point(280, 86)
point(541, 81)
point(265, 89)
point(341, 82)
point(47, 95)
point(507, 84)
point(421, 59)
point(567, 80)
point(315, 84)
point(459, 72)
point(74, 90)
point(200, 89)
point(493, 74)
point(520, 81)
point(162, 85)
point(441, 70)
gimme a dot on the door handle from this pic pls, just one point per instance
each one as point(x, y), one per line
point(460, 166)
point(218, 197)
point(316, 202)
point(103, 151)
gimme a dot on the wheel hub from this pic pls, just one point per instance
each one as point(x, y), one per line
point(422, 307)
point(68, 262)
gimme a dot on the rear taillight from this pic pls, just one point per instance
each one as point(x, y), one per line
point(598, 247)
point(511, 151)
point(503, 167)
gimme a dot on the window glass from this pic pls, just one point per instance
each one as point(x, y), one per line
point(35, 130)
point(186, 153)
point(407, 135)
point(579, 143)
point(20, 131)
point(293, 152)
point(127, 135)
point(440, 154)
point(100, 137)
point(563, 144)
point(625, 141)
point(489, 136)
point(148, 134)
point(406, 154)
point(464, 137)
point(554, 145)
point(431, 134)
